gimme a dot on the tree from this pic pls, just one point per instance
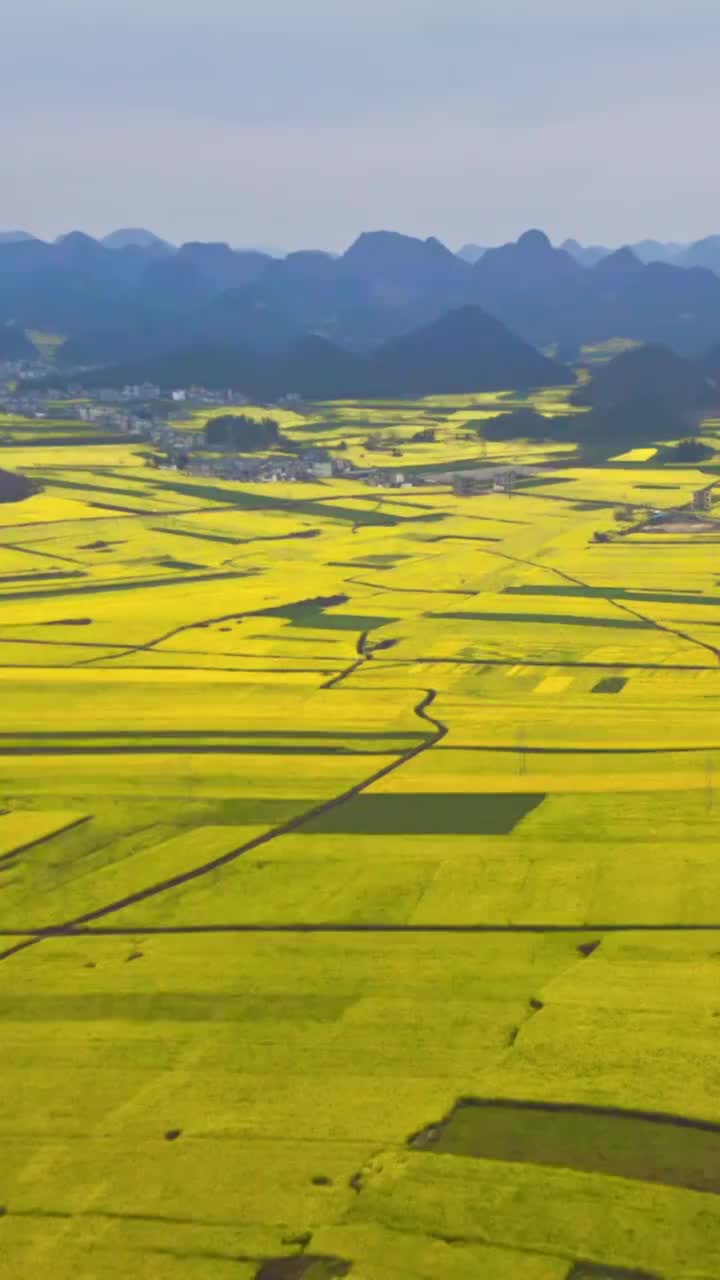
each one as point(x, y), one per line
point(685, 451)
point(240, 434)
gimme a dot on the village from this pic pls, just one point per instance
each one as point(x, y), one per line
point(146, 414)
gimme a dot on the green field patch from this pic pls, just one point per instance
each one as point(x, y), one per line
point(381, 561)
point(643, 1229)
point(246, 501)
point(128, 584)
point(181, 1006)
point(589, 1271)
point(442, 813)
point(313, 614)
point(96, 887)
point(358, 564)
point(204, 741)
point(126, 511)
point(53, 576)
point(307, 1266)
point(169, 562)
point(642, 1146)
point(558, 619)
point(23, 829)
point(382, 1254)
point(613, 593)
point(88, 486)
point(241, 542)
point(202, 537)
point(612, 684)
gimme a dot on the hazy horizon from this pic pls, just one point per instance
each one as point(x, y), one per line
point(297, 127)
point(284, 250)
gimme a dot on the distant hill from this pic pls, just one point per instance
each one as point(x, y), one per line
point(471, 253)
point(197, 273)
point(137, 237)
point(14, 237)
point(701, 253)
point(644, 250)
point(397, 269)
point(528, 266)
point(617, 269)
point(243, 317)
point(465, 350)
point(68, 286)
point(221, 267)
point(704, 253)
point(136, 336)
point(586, 255)
point(319, 370)
point(658, 251)
point(641, 397)
point(385, 284)
point(551, 300)
point(709, 364)
point(648, 373)
point(195, 364)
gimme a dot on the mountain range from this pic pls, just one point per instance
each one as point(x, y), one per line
point(699, 253)
point(134, 297)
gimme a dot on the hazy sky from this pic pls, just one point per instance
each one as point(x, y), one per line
point(299, 123)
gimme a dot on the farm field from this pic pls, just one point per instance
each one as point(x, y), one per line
point(359, 890)
point(455, 421)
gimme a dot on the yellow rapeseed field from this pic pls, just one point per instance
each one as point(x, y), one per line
point(358, 865)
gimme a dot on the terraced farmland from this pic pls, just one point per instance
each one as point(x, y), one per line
point(359, 888)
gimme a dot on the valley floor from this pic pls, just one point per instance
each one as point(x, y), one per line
point(359, 889)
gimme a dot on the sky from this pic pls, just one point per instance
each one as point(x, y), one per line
point(299, 123)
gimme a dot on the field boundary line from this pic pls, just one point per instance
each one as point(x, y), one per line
point(611, 600)
point(79, 930)
point(286, 828)
point(23, 848)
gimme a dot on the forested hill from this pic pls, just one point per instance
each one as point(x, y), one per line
point(464, 350)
